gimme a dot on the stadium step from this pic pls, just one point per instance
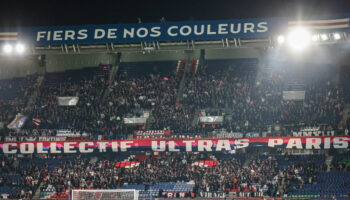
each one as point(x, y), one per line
point(180, 67)
point(32, 98)
point(329, 160)
point(346, 112)
point(37, 192)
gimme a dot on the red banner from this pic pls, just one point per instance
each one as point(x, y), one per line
point(151, 134)
point(174, 145)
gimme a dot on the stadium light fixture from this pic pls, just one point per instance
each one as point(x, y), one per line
point(315, 38)
point(324, 37)
point(336, 36)
point(20, 48)
point(7, 48)
point(281, 39)
point(299, 38)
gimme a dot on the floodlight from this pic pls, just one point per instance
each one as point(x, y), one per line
point(299, 38)
point(315, 38)
point(7, 48)
point(20, 48)
point(324, 37)
point(336, 36)
point(280, 39)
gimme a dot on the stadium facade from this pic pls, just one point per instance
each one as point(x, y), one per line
point(207, 109)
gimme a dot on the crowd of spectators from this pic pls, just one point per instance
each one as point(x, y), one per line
point(238, 174)
point(249, 97)
point(256, 176)
point(14, 96)
point(19, 178)
point(84, 116)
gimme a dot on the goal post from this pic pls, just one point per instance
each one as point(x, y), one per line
point(117, 194)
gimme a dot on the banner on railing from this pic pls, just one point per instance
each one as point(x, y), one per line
point(151, 133)
point(174, 145)
point(67, 101)
point(211, 119)
point(171, 31)
point(18, 122)
point(135, 120)
point(294, 95)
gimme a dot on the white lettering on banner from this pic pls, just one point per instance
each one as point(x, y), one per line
point(57, 35)
point(142, 32)
point(196, 32)
point(60, 35)
point(40, 148)
point(170, 33)
point(327, 143)
point(341, 143)
point(68, 148)
point(223, 144)
point(6, 148)
point(205, 144)
point(128, 33)
point(53, 148)
point(232, 28)
point(26, 148)
point(111, 33)
point(83, 148)
point(313, 133)
point(82, 34)
point(313, 143)
point(160, 147)
point(294, 142)
point(220, 195)
point(49, 35)
point(262, 27)
point(99, 34)
point(40, 35)
point(274, 142)
point(172, 146)
point(242, 143)
point(209, 32)
point(155, 31)
point(249, 27)
point(124, 145)
point(115, 146)
point(102, 146)
point(223, 29)
point(188, 144)
point(69, 35)
point(185, 30)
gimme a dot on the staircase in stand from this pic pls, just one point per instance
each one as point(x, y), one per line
point(37, 192)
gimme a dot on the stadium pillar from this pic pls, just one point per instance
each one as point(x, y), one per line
point(112, 74)
point(201, 58)
point(42, 64)
point(190, 57)
point(115, 67)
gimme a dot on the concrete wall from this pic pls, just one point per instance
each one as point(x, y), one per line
point(11, 67)
point(234, 53)
point(21, 66)
point(63, 62)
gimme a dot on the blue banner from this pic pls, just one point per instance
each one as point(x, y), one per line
point(131, 33)
point(169, 31)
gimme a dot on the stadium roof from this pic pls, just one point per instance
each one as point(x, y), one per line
point(46, 13)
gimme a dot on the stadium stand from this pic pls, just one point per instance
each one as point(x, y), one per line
point(159, 175)
point(247, 96)
point(250, 98)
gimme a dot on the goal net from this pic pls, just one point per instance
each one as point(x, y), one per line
point(120, 194)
